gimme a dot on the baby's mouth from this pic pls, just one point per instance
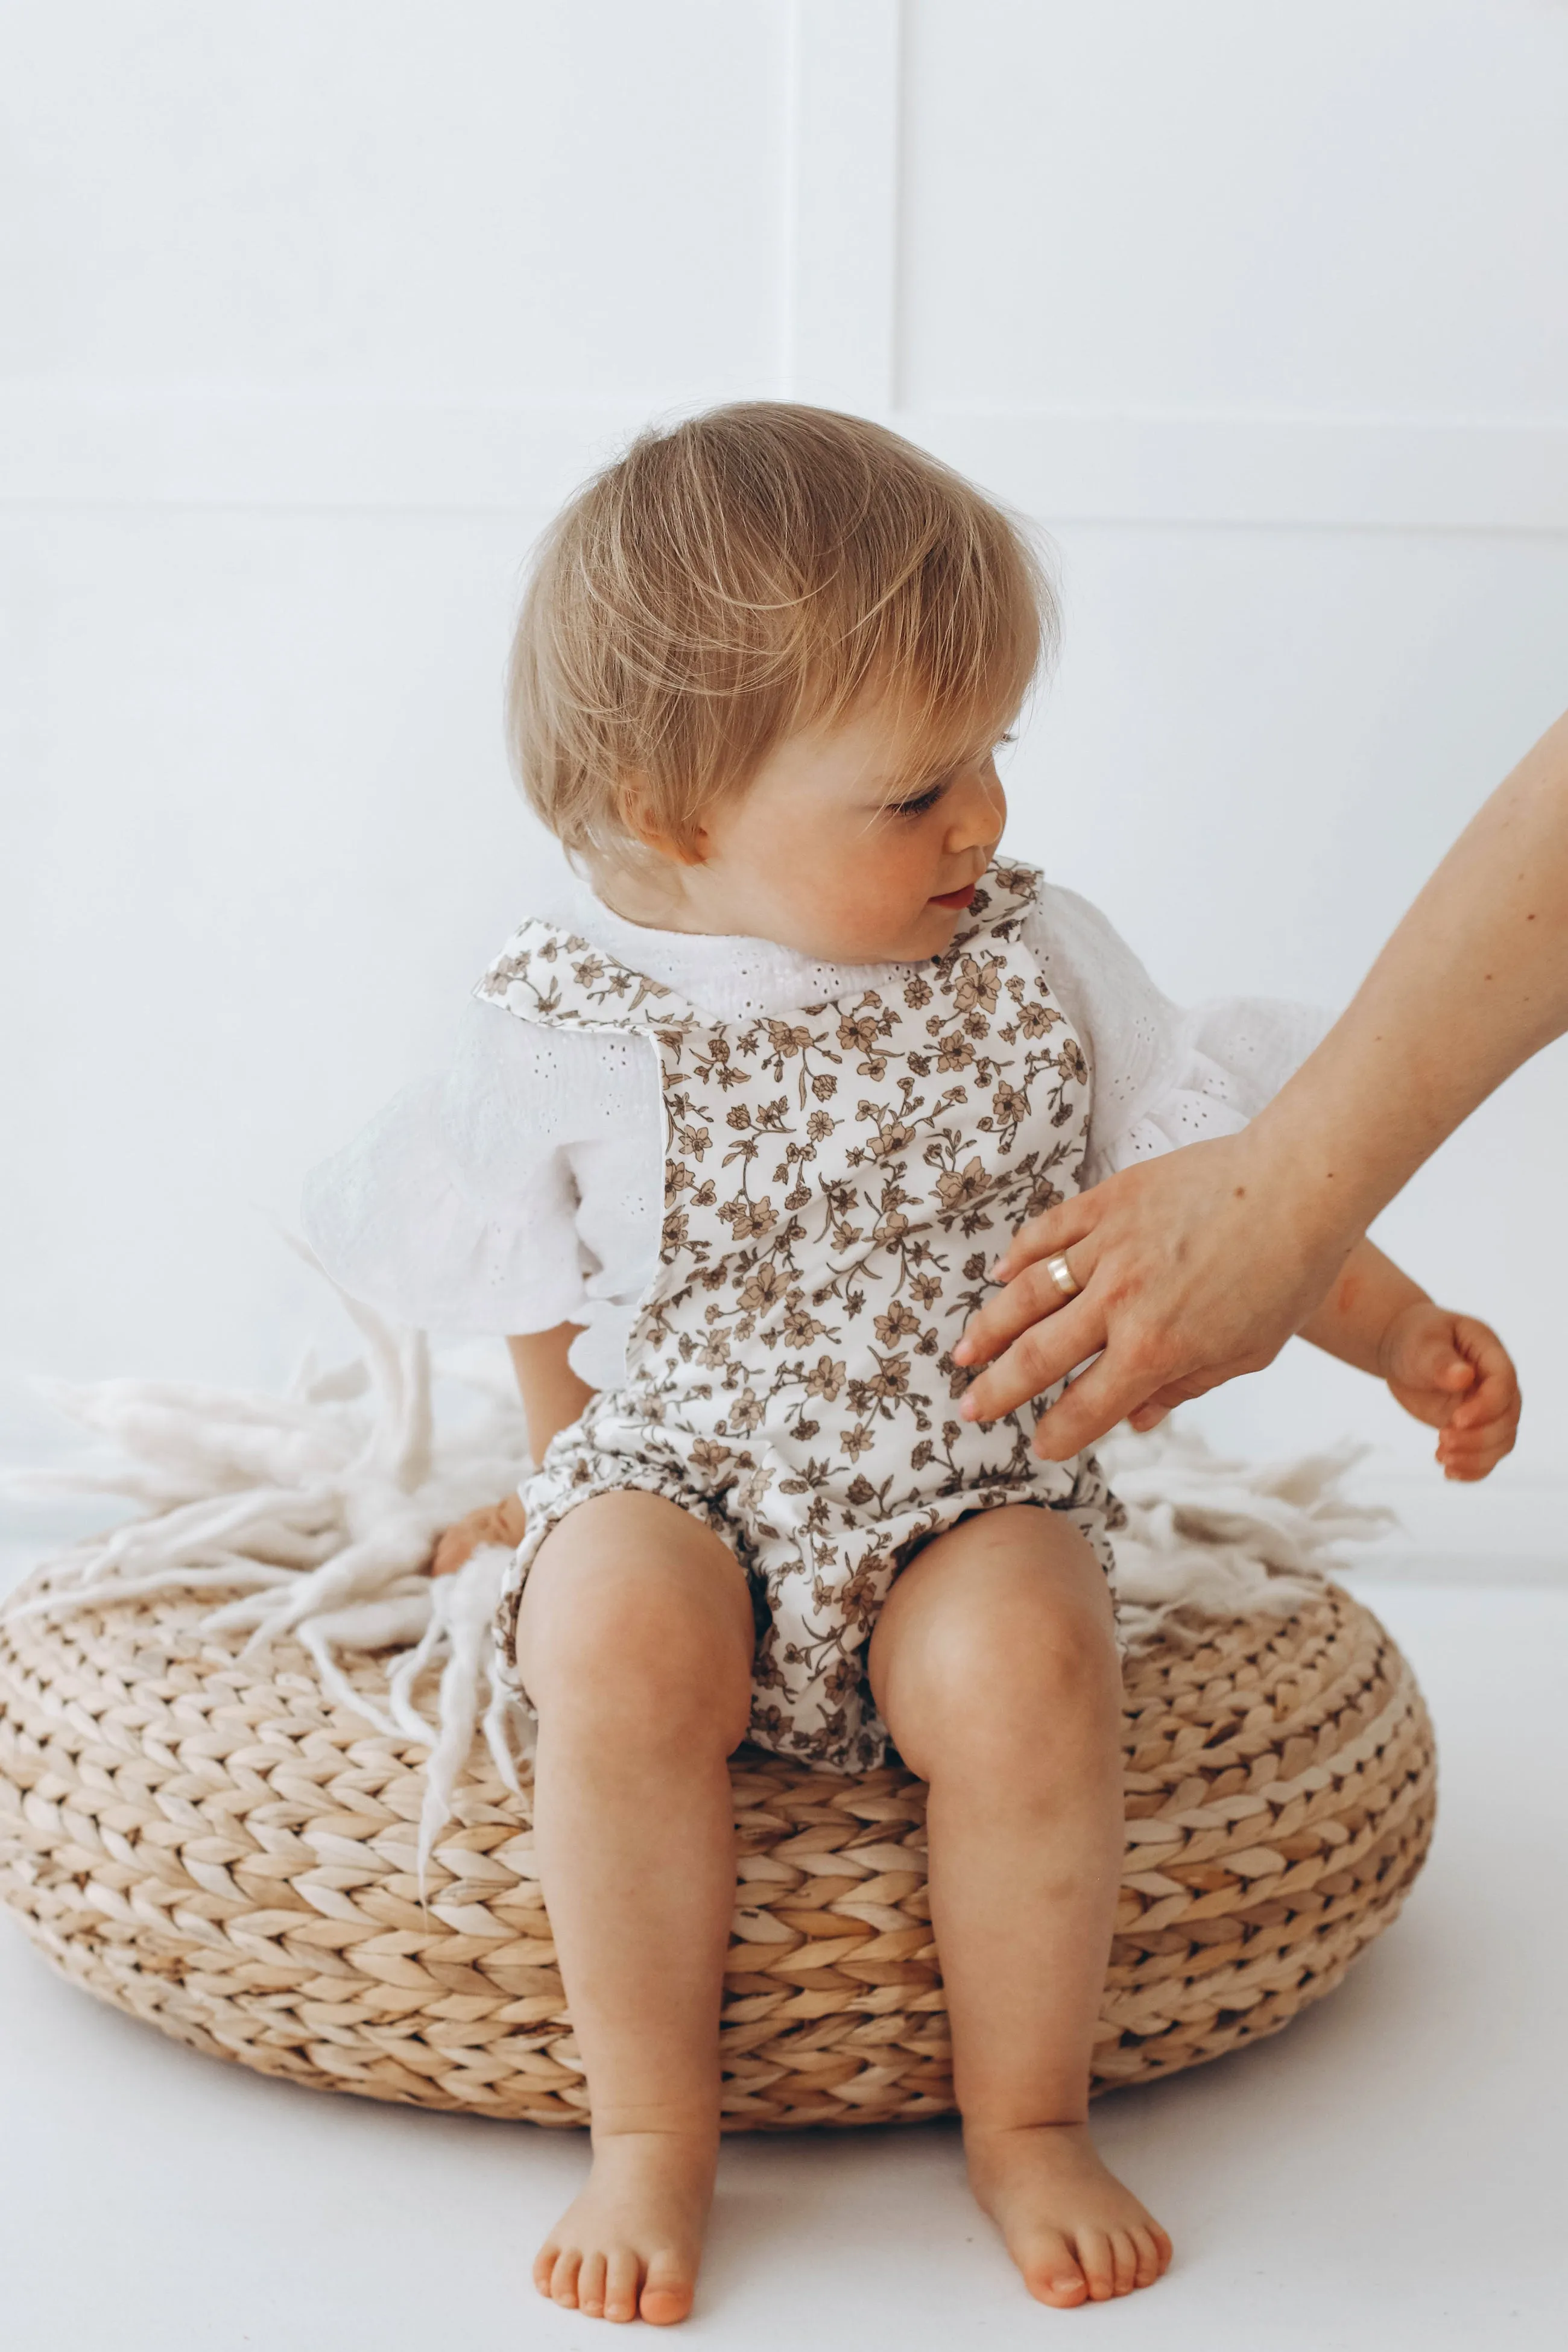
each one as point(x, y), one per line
point(956, 898)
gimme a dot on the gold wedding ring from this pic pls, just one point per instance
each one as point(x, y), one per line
point(1062, 1274)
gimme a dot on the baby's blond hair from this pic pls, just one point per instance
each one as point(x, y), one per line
point(746, 574)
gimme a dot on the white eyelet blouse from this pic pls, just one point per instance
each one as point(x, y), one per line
point(523, 1187)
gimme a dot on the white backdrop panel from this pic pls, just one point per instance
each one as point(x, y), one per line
point(1337, 209)
point(311, 314)
point(555, 199)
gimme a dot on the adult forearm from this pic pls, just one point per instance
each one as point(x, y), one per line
point(1474, 981)
point(1195, 1268)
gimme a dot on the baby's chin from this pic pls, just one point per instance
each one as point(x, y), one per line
point(914, 940)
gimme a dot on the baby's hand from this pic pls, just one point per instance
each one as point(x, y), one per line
point(1454, 1374)
point(497, 1523)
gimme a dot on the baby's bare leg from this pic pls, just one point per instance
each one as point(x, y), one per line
point(994, 1666)
point(634, 1644)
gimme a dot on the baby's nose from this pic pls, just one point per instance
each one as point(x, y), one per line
point(978, 814)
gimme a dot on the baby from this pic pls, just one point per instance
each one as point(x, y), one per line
point(795, 997)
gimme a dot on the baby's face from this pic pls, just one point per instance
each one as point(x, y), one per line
point(839, 851)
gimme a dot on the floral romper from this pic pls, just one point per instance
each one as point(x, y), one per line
point(837, 1185)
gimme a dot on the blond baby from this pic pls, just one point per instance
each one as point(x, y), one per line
point(760, 678)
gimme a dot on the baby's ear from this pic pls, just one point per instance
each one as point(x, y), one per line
point(641, 819)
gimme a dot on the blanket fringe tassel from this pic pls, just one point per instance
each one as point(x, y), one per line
point(320, 1508)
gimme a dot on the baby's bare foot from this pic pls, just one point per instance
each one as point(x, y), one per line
point(629, 2246)
point(1074, 2231)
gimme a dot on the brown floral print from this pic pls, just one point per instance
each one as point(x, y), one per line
point(837, 1187)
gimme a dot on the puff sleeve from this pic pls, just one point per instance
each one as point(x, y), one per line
point(1163, 1076)
point(458, 1207)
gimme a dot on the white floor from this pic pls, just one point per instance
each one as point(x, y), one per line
point(1390, 2173)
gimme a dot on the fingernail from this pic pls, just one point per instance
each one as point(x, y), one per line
point(962, 1352)
point(999, 1271)
point(967, 1409)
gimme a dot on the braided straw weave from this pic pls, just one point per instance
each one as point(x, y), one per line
point(216, 1845)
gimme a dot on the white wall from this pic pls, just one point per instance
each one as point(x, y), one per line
point(312, 313)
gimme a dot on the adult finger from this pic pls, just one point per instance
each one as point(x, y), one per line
point(1091, 1407)
point(1088, 1408)
point(1070, 1220)
point(1043, 1353)
point(1032, 1294)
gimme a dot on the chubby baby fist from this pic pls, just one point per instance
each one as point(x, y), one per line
point(497, 1523)
point(1456, 1375)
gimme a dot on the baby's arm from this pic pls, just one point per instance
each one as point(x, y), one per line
point(1446, 1370)
point(553, 1395)
point(553, 1398)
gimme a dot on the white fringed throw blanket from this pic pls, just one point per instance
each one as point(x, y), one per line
point(320, 1508)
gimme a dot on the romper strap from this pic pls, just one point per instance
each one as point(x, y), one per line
point(553, 975)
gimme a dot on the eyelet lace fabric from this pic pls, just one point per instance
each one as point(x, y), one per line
point(521, 1187)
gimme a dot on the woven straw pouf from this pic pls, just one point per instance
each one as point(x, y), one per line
point(211, 1843)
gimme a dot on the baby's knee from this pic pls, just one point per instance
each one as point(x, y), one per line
point(1011, 1682)
point(621, 1661)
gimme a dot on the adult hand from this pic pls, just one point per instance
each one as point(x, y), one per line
point(1198, 1267)
point(1192, 1268)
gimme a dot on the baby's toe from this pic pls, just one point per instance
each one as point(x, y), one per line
point(623, 2273)
point(590, 2286)
point(1151, 2262)
point(544, 2264)
point(1124, 2260)
point(666, 2292)
point(563, 2278)
point(1051, 2272)
point(1098, 2264)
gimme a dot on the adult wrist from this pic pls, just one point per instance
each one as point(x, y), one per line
point(1325, 1196)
